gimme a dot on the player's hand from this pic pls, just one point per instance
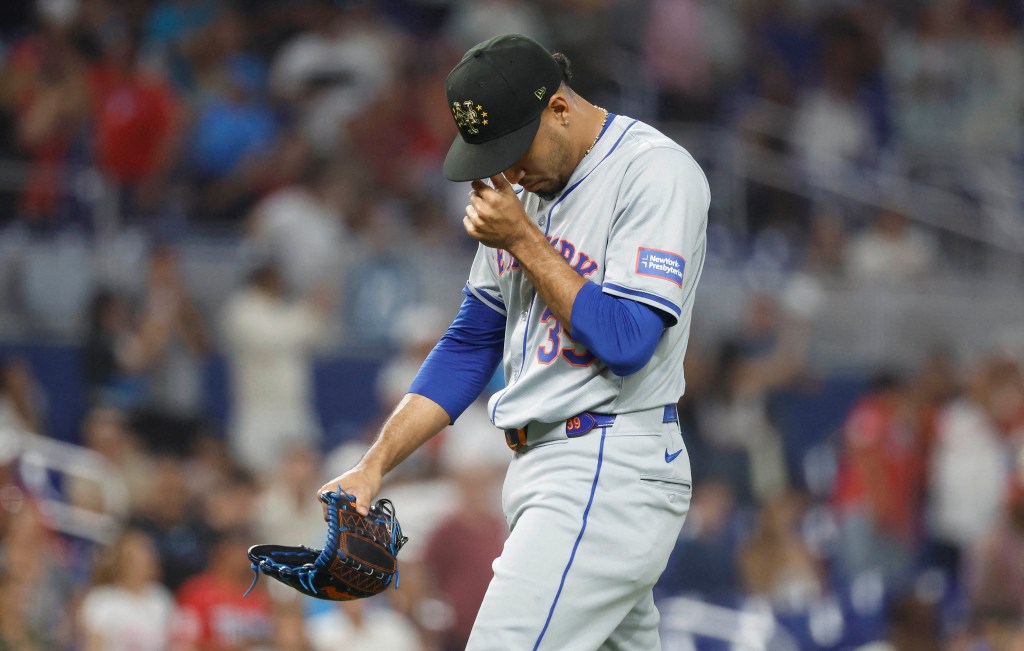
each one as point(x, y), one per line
point(495, 216)
point(361, 482)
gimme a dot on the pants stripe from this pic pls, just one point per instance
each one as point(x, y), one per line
point(586, 512)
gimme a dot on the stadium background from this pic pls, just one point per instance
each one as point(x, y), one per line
point(223, 223)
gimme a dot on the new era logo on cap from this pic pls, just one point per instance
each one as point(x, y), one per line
point(497, 94)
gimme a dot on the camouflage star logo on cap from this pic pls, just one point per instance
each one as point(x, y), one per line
point(469, 116)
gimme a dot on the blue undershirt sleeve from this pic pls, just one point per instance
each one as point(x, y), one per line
point(622, 333)
point(463, 361)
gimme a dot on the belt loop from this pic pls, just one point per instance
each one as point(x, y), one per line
point(671, 414)
point(515, 438)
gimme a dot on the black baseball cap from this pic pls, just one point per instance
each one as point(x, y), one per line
point(497, 94)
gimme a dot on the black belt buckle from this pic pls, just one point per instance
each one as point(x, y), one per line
point(515, 439)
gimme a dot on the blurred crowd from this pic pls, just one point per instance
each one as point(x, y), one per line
point(897, 500)
point(308, 135)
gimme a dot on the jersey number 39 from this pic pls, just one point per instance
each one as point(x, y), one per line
point(573, 352)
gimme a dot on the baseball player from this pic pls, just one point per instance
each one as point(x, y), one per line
point(582, 288)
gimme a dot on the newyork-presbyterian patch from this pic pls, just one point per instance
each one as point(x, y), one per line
point(660, 264)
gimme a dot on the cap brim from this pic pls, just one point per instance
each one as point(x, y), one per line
point(468, 162)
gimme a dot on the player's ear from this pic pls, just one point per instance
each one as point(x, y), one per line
point(559, 107)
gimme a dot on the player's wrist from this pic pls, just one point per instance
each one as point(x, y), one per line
point(526, 238)
point(371, 467)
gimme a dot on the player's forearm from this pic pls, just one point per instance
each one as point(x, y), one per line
point(413, 422)
point(551, 275)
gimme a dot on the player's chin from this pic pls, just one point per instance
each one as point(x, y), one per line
point(546, 191)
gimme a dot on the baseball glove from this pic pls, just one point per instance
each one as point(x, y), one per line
point(358, 560)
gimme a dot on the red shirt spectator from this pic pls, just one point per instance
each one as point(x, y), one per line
point(50, 98)
point(135, 115)
point(212, 613)
point(879, 470)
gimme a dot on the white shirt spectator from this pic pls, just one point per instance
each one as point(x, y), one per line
point(376, 628)
point(303, 234)
point(128, 621)
point(891, 251)
point(338, 73)
point(829, 130)
point(269, 343)
point(969, 473)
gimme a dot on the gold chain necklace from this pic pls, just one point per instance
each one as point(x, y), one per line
point(599, 132)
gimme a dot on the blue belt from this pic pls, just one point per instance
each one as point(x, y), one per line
point(581, 424)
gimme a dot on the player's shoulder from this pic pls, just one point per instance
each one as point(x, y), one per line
point(643, 144)
point(638, 137)
point(646, 151)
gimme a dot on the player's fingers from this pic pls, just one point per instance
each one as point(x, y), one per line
point(478, 202)
point(473, 213)
point(479, 186)
point(500, 183)
point(362, 507)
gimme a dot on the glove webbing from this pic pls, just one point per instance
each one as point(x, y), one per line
point(384, 512)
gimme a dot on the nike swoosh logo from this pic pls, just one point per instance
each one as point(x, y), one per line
point(669, 458)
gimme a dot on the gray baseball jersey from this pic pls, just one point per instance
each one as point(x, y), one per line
point(632, 218)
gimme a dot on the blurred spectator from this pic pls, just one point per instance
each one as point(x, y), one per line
point(891, 250)
point(928, 74)
point(17, 631)
point(287, 511)
point(235, 129)
point(744, 445)
point(209, 463)
point(173, 25)
point(213, 615)
point(832, 127)
point(994, 629)
point(971, 460)
point(269, 341)
point(776, 563)
point(333, 70)
point(912, 625)
point(170, 517)
point(300, 226)
point(226, 505)
point(116, 352)
point(173, 373)
point(384, 280)
point(290, 629)
point(106, 431)
point(875, 497)
point(37, 570)
point(994, 119)
point(826, 246)
point(127, 609)
point(692, 51)
point(474, 22)
point(52, 102)
point(23, 405)
point(360, 626)
point(137, 122)
point(995, 569)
